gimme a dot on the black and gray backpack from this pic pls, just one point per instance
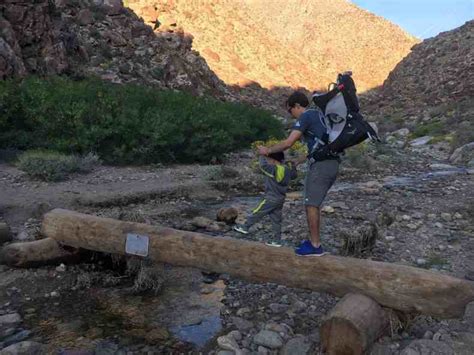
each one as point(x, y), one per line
point(345, 125)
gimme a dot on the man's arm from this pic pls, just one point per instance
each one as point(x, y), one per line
point(283, 145)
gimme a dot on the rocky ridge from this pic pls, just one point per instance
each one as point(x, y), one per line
point(431, 88)
point(281, 43)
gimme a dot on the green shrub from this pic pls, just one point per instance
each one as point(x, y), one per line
point(53, 166)
point(127, 124)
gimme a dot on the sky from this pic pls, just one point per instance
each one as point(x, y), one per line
point(422, 18)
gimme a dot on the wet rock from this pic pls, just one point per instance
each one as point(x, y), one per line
point(227, 215)
point(23, 348)
point(268, 339)
point(420, 141)
point(425, 346)
point(298, 345)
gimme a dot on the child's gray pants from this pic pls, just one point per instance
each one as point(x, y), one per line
point(271, 208)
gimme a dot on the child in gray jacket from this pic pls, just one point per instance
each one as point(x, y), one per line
point(277, 178)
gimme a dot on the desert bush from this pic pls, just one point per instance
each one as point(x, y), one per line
point(54, 166)
point(125, 124)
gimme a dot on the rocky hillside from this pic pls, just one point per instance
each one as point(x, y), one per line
point(431, 90)
point(98, 37)
point(284, 42)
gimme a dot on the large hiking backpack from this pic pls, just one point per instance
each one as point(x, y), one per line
point(345, 125)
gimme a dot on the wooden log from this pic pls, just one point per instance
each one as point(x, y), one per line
point(5, 233)
point(353, 325)
point(34, 253)
point(404, 288)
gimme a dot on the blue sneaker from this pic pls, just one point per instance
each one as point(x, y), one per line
point(307, 249)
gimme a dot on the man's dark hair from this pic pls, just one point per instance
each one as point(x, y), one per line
point(297, 97)
point(280, 156)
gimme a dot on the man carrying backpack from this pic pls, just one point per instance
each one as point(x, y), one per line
point(321, 174)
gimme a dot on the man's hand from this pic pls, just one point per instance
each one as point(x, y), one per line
point(263, 150)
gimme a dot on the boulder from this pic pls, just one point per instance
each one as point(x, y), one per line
point(463, 155)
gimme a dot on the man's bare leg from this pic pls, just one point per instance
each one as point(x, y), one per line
point(314, 218)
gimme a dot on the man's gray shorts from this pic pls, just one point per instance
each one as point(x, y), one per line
point(319, 179)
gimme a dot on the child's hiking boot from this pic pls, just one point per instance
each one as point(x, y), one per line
point(307, 249)
point(241, 229)
point(273, 243)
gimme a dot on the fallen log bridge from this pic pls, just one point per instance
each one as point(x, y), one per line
point(400, 287)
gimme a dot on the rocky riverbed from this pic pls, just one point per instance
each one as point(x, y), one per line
point(401, 205)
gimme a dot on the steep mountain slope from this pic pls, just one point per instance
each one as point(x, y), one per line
point(101, 38)
point(284, 42)
point(432, 87)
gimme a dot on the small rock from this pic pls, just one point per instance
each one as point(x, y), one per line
point(425, 346)
point(438, 225)
point(468, 314)
point(241, 324)
point(54, 294)
point(243, 311)
point(228, 343)
point(441, 167)
point(446, 217)
point(268, 339)
point(420, 141)
point(389, 238)
point(61, 268)
point(402, 132)
point(10, 320)
point(328, 209)
point(201, 222)
point(428, 335)
point(421, 262)
point(298, 345)
point(236, 335)
point(227, 215)
point(278, 307)
point(457, 215)
point(16, 338)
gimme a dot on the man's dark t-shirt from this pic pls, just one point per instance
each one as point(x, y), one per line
point(311, 125)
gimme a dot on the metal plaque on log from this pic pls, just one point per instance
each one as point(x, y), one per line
point(136, 244)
